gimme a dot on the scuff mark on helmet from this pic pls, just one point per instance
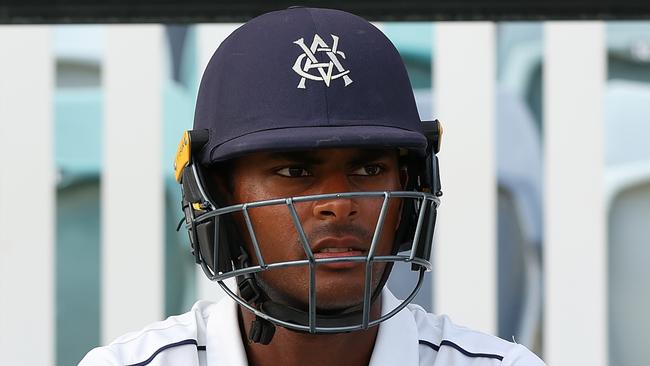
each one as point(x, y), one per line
point(328, 140)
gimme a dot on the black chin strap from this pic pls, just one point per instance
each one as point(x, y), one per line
point(262, 330)
point(297, 316)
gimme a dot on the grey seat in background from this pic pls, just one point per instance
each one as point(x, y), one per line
point(629, 270)
point(519, 175)
point(520, 53)
point(627, 136)
point(627, 122)
point(519, 165)
point(628, 46)
point(78, 50)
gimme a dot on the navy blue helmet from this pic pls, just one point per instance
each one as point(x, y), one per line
point(295, 80)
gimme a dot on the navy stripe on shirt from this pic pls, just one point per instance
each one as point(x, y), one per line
point(421, 341)
point(460, 349)
point(168, 346)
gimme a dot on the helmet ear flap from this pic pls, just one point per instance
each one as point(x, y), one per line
point(191, 199)
point(205, 237)
point(408, 227)
point(208, 237)
point(213, 244)
point(431, 173)
point(423, 177)
point(425, 240)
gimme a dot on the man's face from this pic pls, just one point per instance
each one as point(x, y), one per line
point(334, 227)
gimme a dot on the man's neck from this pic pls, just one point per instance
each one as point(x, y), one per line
point(291, 348)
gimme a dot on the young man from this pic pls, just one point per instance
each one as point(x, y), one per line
point(307, 177)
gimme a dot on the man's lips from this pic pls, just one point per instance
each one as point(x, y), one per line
point(337, 254)
point(339, 245)
point(339, 248)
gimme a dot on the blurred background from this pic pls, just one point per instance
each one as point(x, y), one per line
point(543, 230)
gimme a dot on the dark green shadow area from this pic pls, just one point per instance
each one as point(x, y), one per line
point(77, 270)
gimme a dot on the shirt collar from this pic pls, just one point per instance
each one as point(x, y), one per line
point(397, 338)
point(396, 343)
point(224, 345)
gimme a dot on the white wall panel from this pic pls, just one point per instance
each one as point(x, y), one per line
point(27, 196)
point(465, 249)
point(574, 213)
point(132, 179)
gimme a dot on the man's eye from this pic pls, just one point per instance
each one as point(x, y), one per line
point(293, 172)
point(368, 170)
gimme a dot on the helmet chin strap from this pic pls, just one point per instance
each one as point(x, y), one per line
point(262, 330)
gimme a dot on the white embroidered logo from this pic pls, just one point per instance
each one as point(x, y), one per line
point(324, 68)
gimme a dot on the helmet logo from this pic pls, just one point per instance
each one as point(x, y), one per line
point(307, 61)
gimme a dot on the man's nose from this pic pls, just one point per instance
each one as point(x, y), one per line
point(336, 208)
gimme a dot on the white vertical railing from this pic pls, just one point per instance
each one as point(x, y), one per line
point(465, 251)
point(209, 37)
point(132, 198)
point(575, 253)
point(27, 196)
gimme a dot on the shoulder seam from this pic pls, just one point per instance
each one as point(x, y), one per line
point(168, 346)
point(137, 334)
point(460, 349)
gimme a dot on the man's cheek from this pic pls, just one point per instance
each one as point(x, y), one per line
point(275, 233)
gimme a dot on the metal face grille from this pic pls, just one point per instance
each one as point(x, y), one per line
point(423, 203)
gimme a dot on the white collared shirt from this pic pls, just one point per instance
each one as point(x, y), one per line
point(209, 335)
